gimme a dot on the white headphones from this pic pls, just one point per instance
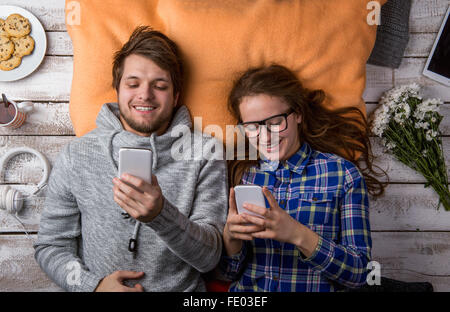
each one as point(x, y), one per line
point(11, 200)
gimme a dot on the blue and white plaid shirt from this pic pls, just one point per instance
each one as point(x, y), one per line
point(326, 193)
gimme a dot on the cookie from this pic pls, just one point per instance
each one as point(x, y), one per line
point(11, 63)
point(3, 31)
point(17, 25)
point(23, 45)
point(6, 48)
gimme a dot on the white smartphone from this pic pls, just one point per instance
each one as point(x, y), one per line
point(251, 194)
point(137, 162)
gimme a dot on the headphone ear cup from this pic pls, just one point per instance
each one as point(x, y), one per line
point(3, 191)
point(16, 201)
point(10, 199)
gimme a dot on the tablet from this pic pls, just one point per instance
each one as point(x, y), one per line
point(438, 63)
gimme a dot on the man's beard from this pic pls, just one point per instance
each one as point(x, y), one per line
point(144, 127)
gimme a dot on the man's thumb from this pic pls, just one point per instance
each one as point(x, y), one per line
point(125, 275)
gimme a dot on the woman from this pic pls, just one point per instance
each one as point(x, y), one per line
point(315, 236)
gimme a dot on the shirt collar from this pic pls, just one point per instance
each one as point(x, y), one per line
point(295, 163)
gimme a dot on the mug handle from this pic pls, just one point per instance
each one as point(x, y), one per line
point(25, 107)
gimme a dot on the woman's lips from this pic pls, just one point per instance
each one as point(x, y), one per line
point(270, 147)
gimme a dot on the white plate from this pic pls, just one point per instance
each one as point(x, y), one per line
point(32, 61)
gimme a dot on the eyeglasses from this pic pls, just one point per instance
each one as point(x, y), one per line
point(274, 124)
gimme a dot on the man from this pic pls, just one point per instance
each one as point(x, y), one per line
point(90, 215)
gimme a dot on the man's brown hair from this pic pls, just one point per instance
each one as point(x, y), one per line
point(157, 47)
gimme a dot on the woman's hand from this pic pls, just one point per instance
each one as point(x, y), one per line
point(277, 224)
point(237, 229)
point(141, 200)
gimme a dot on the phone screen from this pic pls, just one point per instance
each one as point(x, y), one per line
point(440, 61)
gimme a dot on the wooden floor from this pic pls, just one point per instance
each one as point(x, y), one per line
point(411, 239)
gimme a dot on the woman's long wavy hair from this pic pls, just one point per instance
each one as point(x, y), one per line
point(343, 131)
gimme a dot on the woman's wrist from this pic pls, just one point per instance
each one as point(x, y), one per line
point(305, 239)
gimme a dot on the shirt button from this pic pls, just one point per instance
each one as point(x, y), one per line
point(314, 199)
point(282, 202)
point(275, 278)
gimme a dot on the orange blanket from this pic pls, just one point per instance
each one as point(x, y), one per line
point(326, 43)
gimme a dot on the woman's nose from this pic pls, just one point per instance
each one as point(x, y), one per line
point(264, 134)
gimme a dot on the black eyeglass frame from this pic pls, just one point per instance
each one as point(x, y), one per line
point(263, 123)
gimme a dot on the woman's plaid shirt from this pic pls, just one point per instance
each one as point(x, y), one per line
point(326, 193)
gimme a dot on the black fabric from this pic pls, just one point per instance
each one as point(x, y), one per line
point(392, 34)
point(391, 285)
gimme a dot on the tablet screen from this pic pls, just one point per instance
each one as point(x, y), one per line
point(440, 61)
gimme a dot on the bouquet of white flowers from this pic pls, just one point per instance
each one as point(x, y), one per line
point(409, 128)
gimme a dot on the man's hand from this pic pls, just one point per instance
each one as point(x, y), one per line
point(141, 200)
point(114, 282)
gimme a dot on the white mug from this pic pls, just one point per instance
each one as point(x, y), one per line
point(20, 113)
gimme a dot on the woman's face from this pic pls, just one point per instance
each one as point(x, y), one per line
point(274, 147)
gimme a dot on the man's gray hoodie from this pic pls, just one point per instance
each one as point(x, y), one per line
point(83, 235)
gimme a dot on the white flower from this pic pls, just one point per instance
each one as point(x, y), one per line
point(400, 93)
point(390, 145)
point(420, 124)
point(402, 112)
point(430, 134)
point(427, 106)
point(380, 120)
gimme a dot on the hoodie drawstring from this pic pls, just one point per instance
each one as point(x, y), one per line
point(132, 245)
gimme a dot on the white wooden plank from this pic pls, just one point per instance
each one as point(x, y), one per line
point(411, 71)
point(50, 82)
point(49, 12)
point(408, 207)
point(405, 207)
point(18, 269)
point(378, 80)
point(59, 43)
point(421, 252)
point(46, 119)
point(419, 45)
point(426, 15)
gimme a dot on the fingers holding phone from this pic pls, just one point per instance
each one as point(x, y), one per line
point(137, 191)
point(141, 200)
